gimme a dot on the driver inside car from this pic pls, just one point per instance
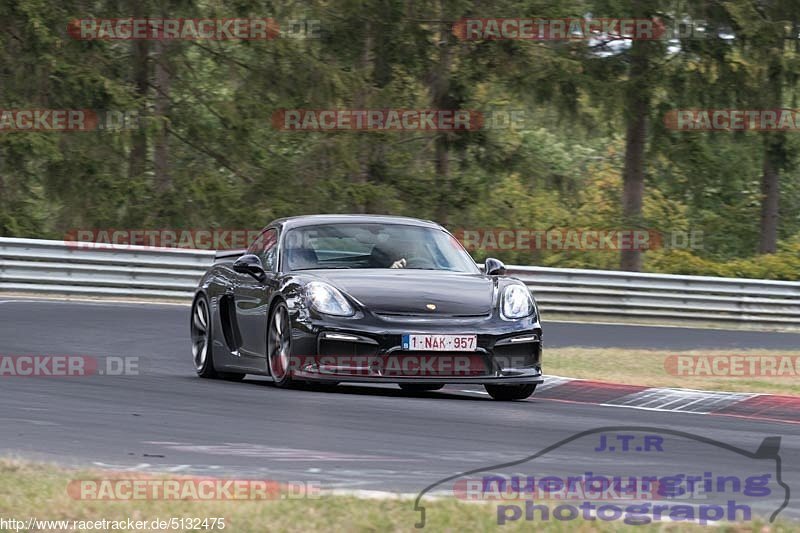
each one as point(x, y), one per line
point(410, 250)
point(386, 255)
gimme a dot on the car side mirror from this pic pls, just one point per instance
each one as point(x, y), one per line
point(250, 264)
point(494, 267)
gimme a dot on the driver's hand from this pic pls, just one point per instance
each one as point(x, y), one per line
point(400, 263)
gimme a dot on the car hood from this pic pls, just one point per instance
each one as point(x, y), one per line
point(410, 292)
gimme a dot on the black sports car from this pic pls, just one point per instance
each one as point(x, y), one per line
point(365, 298)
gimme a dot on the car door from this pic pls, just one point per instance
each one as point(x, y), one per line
point(251, 299)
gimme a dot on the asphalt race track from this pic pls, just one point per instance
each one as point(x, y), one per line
point(359, 437)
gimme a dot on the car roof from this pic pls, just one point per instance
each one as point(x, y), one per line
point(314, 220)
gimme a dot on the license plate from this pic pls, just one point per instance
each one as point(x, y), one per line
point(440, 343)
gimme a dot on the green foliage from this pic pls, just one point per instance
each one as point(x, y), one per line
point(228, 167)
point(783, 265)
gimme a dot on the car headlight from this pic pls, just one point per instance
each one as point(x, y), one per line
point(328, 300)
point(517, 302)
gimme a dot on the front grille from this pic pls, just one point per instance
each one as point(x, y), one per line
point(431, 317)
point(433, 364)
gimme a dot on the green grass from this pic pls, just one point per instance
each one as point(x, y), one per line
point(647, 368)
point(35, 490)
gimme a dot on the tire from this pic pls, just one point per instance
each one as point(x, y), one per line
point(421, 387)
point(505, 393)
point(279, 346)
point(202, 343)
point(202, 350)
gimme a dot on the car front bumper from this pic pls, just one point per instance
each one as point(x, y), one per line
point(369, 350)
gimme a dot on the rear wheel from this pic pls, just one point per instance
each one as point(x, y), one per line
point(201, 338)
point(421, 387)
point(202, 347)
point(510, 392)
point(279, 346)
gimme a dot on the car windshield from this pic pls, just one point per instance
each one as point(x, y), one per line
point(354, 245)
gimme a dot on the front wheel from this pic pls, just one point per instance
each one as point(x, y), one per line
point(507, 393)
point(279, 346)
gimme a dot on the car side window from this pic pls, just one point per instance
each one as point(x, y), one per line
point(266, 248)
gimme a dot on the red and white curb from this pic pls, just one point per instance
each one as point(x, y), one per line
point(758, 406)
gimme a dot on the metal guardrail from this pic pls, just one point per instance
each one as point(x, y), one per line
point(86, 269)
point(607, 294)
